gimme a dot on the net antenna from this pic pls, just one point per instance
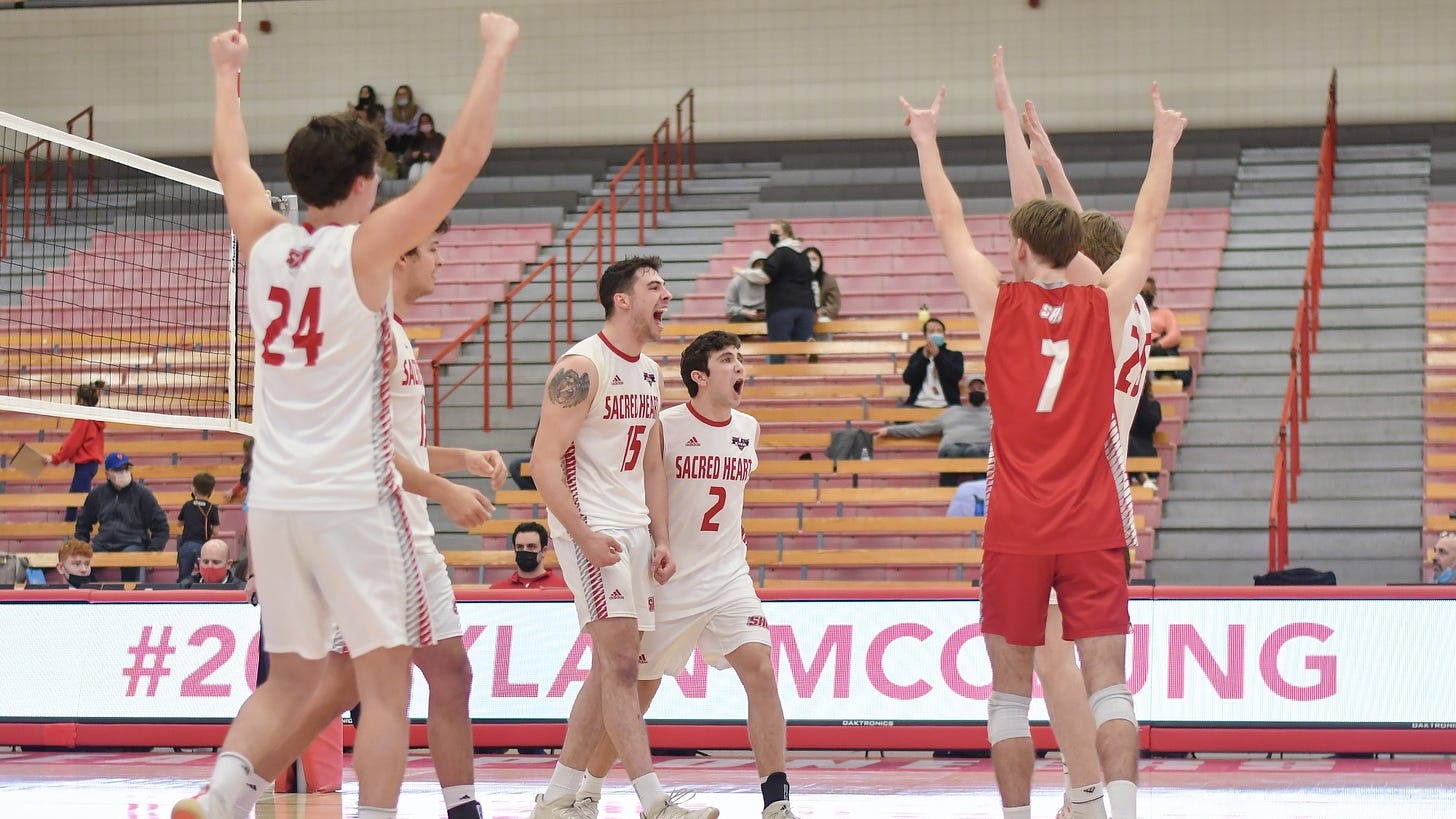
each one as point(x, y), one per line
point(121, 269)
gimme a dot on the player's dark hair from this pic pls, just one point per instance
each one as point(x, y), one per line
point(1052, 230)
point(90, 394)
point(203, 483)
point(325, 156)
point(925, 328)
point(619, 277)
point(531, 526)
point(704, 347)
point(440, 230)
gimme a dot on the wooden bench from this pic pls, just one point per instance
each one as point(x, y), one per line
point(11, 530)
point(218, 444)
point(169, 501)
point(143, 471)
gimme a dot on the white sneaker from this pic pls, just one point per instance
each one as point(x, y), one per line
point(560, 809)
point(587, 806)
point(1150, 484)
point(672, 810)
point(779, 810)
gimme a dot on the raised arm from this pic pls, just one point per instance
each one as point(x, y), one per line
point(1047, 159)
point(570, 390)
point(1025, 181)
point(403, 223)
point(1126, 277)
point(973, 271)
point(250, 214)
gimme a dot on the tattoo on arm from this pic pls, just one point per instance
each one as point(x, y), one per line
point(569, 388)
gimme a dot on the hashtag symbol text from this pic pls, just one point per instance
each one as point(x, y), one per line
point(150, 661)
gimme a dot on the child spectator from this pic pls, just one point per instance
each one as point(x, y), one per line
point(199, 520)
point(401, 121)
point(212, 568)
point(85, 445)
point(826, 289)
point(423, 150)
point(744, 299)
point(73, 562)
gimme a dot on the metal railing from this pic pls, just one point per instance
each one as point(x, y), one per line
point(690, 99)
point(89, 113)
point(573, 264)
point(512, 323)
point(1304, 342)
point(638, 161)
point(25, 205)
point(4, 210)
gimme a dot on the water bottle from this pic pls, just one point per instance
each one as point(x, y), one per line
point(864, 453)
point(924, 314)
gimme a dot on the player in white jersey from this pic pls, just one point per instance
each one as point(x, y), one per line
point(606, 498)
point(443, 662)
point(1055, 660)
point(326, 512)
point(710, 450)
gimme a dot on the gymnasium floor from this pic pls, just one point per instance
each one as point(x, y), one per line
point(902, 786)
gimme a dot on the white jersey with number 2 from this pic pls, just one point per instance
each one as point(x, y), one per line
point(708, 466)
point(1132, 364)
point(603, 465)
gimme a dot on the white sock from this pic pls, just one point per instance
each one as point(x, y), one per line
point(253, 790)
point(649, 793)
point(376, 813)
point(1066, 786)
point(1023, 812)
point(1086, 802)
point(564, 784)
point(229, 778)
point(1123, 796)
point(591, 786)
point(458, 795)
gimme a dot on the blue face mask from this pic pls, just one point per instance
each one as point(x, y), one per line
point(1447, 576)
point(938, 339)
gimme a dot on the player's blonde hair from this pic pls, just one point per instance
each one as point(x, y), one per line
point(1050, 228)
point(1102, 238)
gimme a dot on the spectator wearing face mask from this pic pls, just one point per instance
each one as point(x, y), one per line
point(401, 120)
point(1165, 333)
point(1444, 560)
point(530, 542)
point(73, 563)
point(826, 289)
point(788, 279)
point(367, 104)
point(125, 515)
point(1145, 423)
point(965, 431)
point(424, 149)
point(934, 372)
point(212, 568)
point(744, 299)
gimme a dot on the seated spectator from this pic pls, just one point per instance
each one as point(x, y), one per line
point(125, 515)
point(826, 289)
point(518, 467)
point(367, 104)
point(73, 563)
point(1140, 437)
point(85, 444)
point(530, 542)
point(1166, 335)
point(212, 568)
point(1444, 561)
point(934, 372)
point(744, 299)
point(423, 150)
point(199, 520)
point(969, 500)
point(965, 431)
point(401, 121)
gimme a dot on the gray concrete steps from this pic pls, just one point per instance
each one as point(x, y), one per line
point(1276, 317)
point(1255, 485)
point(1260, 409)
point(1403, 429)
point(1225, 571)
point(1325, 384)
point(1342, 362)
point(1370, 457)
point(1330, 339)
point(1212, 516)
point(1387, 295)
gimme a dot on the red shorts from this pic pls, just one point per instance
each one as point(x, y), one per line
point(1091, 592)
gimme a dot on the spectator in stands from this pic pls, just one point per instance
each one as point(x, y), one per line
point(240, 489)
point(423, 150)
point(84, 444)
point(401, 121)
point(1140, 437)
point(965, 431)
point(744, 299)
point(125, 515)
point(518, 466)
point(1444, 560)
point(199, 520)
point(969, 500)
point(826, 289)
point(934, 372)
point(212, 568)
point(73, 563)
point(1166, 335)
point(788, 291)
point(368, 104)
point(530, 542)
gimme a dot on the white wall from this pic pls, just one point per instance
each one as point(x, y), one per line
point(606, 71)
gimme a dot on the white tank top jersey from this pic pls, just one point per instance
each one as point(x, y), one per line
point(708, 466)
point(407, 406)
point(603, 466)
point(321, 376)
point(1132, 364)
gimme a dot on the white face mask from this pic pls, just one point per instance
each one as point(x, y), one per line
point(814, 266)
point(120, 480)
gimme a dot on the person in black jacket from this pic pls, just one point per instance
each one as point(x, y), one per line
point(934, 372)
point(129, 517)
point(789, 301)
point(1140, 437)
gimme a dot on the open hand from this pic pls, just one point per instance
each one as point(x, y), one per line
point(229, 52)
point(1041, 144)
point(923, 122)
point(1167, 125)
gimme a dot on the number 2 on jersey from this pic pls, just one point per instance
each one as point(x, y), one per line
point(1058, 352)
point(1136, 363)
point(720, 499)
point(633, 453)
point(307, 337)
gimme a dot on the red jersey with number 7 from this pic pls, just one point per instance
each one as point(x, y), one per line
point(1055, 483)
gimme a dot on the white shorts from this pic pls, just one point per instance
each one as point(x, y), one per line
point(357, 568)
point(735, 621)
point(439, 597)
point(623, 589)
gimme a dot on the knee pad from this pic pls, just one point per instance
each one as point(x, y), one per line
point(1112, 702)
point(1007, 717)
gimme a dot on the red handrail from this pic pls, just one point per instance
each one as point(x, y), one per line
point(688, 98)
point(439, 358)
point(639, 161)
point(4, 210)
point(572, 265)
point(512, 324)
point(661, 141)
point(25, 205)
point(1303, 343)
point(89, 113)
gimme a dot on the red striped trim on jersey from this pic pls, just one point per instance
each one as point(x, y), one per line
point(1118, 464)
point(591, 576)
point(631, 359)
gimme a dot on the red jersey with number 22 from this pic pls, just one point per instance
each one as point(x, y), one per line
point(1055, 483)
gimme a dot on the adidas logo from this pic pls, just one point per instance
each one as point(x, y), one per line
point(693, 441)
point(616, 595)
point(616, 381)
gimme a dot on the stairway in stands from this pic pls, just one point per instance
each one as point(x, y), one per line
point(1360, 495)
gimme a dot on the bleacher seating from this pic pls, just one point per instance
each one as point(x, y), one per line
point(1440, 392)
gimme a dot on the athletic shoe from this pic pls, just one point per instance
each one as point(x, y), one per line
point(672, 810)
point(587, 806)
point(560, 809)
point(779, 810)
point(194, 807)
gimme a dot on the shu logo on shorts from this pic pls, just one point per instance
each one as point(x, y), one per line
point(616, 595)
point(652, 604)
point(296, 257)
point(616, 381)
point(741, 443)
point(693, 441)
point(758, 620)
point(1052, 313)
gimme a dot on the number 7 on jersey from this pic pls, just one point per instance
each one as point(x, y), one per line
point(1058, 352)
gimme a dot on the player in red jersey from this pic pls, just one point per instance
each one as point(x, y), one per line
point(1059, 513)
